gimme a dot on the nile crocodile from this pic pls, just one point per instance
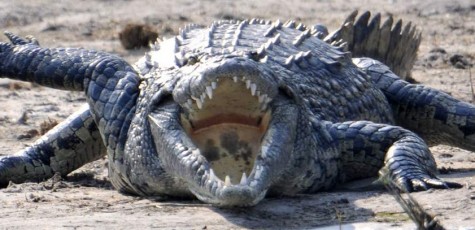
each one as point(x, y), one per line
point(239, 110)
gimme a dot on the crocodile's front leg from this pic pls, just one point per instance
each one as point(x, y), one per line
point(68, 146)
point(435, 116)
point(110, 85)
point(366, 147)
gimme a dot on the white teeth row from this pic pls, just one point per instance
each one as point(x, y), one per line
point(227, 179)
point(263, 99)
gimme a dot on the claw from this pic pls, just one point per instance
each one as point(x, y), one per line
point(14, 39)
point(423, 184)
point(17, 40)
point(32, 40)
point(440, 184)
point(449, 184)
point(418, 185)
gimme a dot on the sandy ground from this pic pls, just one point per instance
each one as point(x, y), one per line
point(86, 199)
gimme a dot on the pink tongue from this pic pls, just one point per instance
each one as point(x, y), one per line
point(225, 119)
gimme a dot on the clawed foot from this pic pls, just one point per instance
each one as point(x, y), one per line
point(425, 183)
point(414, 182)
point(8, 48)
point(17, 40)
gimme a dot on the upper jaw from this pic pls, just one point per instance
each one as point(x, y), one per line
point(199, 84)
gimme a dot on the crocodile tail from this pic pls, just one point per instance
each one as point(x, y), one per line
point(393, 44)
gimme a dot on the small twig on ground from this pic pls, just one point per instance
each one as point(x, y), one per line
point(416, 212)
point(471, 82)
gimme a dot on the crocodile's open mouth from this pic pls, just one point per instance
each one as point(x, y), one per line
point(229, 137)
point(227, 123)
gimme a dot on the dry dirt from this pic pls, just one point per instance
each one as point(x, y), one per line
point(86, 199)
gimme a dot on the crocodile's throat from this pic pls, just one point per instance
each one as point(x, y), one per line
point(228, 125)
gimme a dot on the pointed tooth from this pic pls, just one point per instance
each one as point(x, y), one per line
point(227, 181)
point(262, 98)
point(253, 89)
point(235, 79)
point(243, 179)
point(264, 106)
point(199, 103)
point(213, 85)
point(268, 100)
point(248, 84)
point(209, 91)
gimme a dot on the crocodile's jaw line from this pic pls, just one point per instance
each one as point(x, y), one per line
point(182, 158)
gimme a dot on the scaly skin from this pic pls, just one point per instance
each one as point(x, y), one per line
point(239, 110)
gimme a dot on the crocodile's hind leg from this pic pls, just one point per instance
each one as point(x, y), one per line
point(68, 146)
point(436, 116)
point(366, 147)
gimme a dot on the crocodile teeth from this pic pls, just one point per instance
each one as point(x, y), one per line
point(199, 103)
point(264, 106)
point(227, 181)
point(267, 100)
point(197, 100)
point(253, 89)
point(209, 91)
point(262, 98)
point(243, 179)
